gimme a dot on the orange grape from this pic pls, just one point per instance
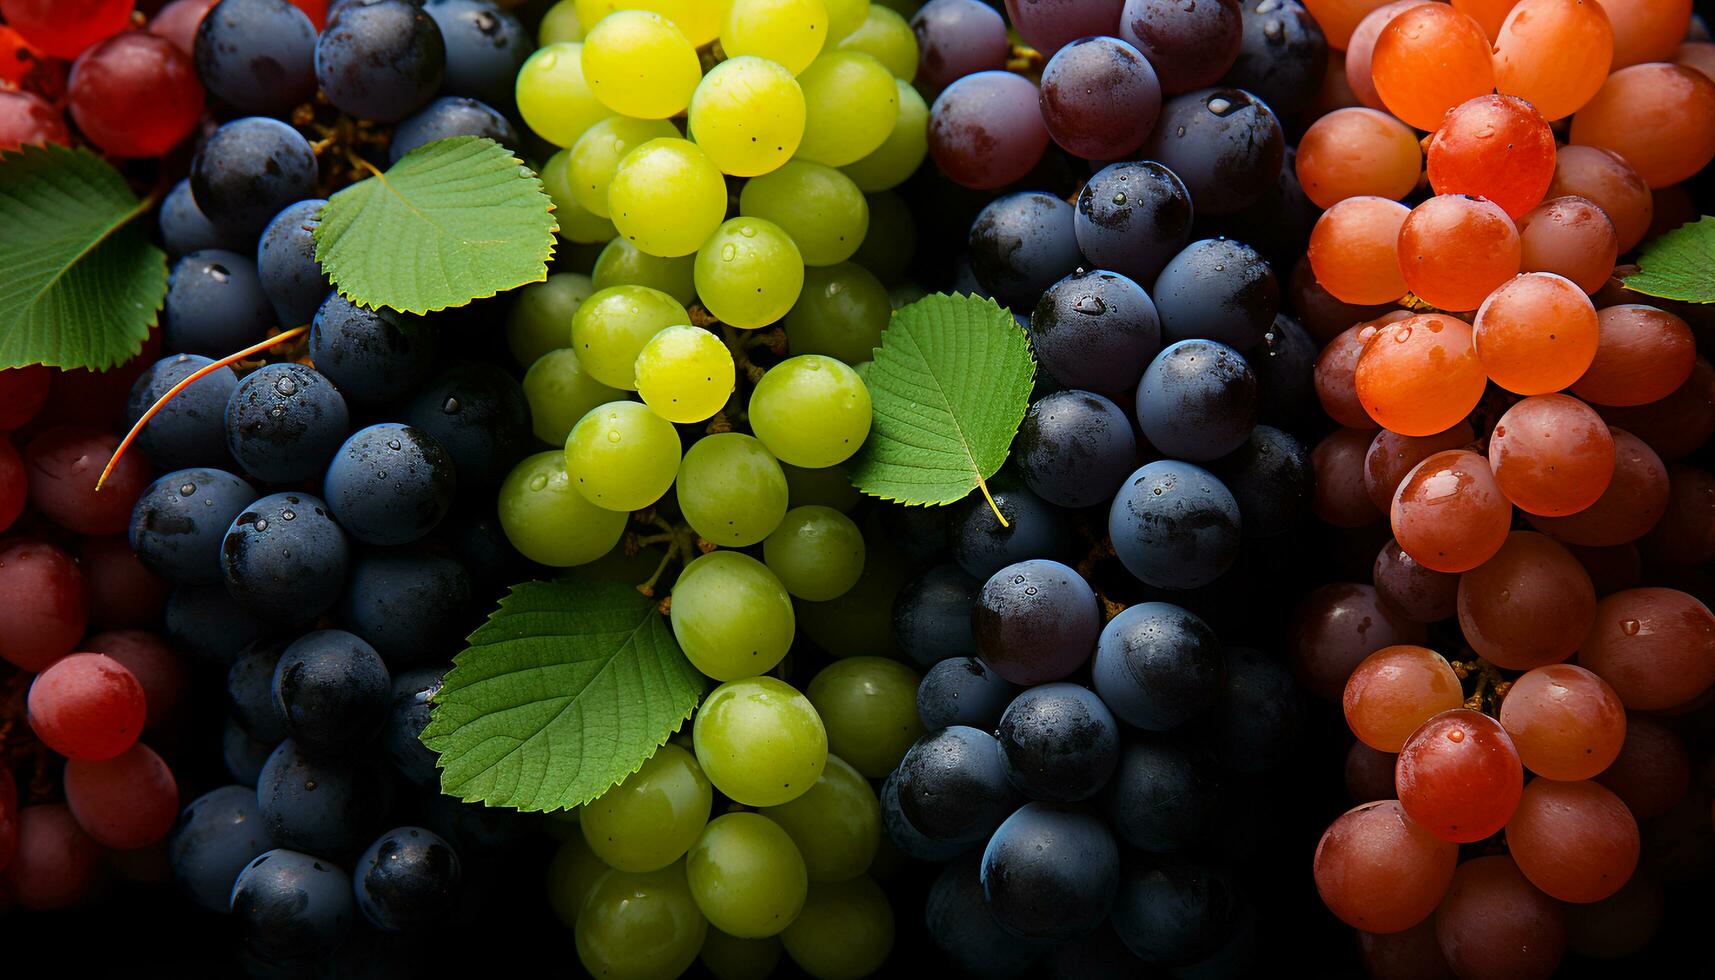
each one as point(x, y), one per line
point(1695, 54)
point(1655, 647)
point(1396, 689)
point(1647, 30)
point(1487, 13)
point(1528, 606)
point(1677, 425)
point(1429, 59)
point(1454, 250)
point(1685, 535)
point(1660, 117)
point(1566, 722)
point(1552, 455)
point(1495, 925)
point(1604, 177)
point(1335, 376)
point(1459, 776)
point(1652, 771)
point(1354, 250)
point(1324, 315)
point(1379, 871)
point(1419, 594)
point(1361, 49)
point(1420, 376)
point(1335, 627)
point(1449, 514)
point(1496, 147)
point(1571, 237)
point(1536, 334)
point(1642, 355)
point(1337, 18)
point(1358, 152)
point(1574, 840)
point(1554, 54)
point(1338, 463)
point(1369, 774)
point(1391, 456)
point(1634, 501)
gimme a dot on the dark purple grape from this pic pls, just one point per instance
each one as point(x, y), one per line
point(986, 130)
point(190, 430)
point(1095, 331)
point(1021, 244)
point(932, 616)
point(286, 263)
point(380, 60)
point(1036, 621)
point(1283, 55)
point(1033, 529)
point(1165, 796)
point(1100, 98)
point(248, 171)
point(1157, 666)
point(1190, 44)
point(1217, 289)
point(375, 355)
point(1197, 400)
point(962, 691)
point(1075, 448)
point(1277, 224)
point(1060, 742)
point(1049, 24)
point(257, 55)
point(1132, 218)
point(485, 48)
point(1271, 477)
point(215, 305)
point(1252, 724)
point(185, 229)
point(1174, 526)
point(910, 841)
point(1224, 143)
point(956, 38)
point(1050, 872)
point(450, 116)
point(952, 785)
point(1285, 366)
point(963, 928)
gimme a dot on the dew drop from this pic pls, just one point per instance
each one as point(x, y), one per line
point(1630, 627)
point(538, 482)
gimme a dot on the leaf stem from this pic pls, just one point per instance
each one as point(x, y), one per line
point(984, 487)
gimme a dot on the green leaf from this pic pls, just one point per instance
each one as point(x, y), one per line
point(950, 384)
point(567, 689)
point(1679, 265)
point(80, 285)
point(453, 221)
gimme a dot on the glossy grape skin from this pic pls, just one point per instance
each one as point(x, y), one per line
point(217, 836)
point(1520, 356)
point(1572, 237)
point(1642, 355)
point(257, 55)
point(1635, 500)
point(87, 706)
point(841, 313)
point(836, 823)
point(477, 413)
point(390, 484)
point(851, 104)
point(1379, 871)
point(956, 38)
point(185, 229)
point(215, 304)
point(1360, 51)
point(760, 741)
point(248, 170)
point(1552, 455)
point(323, 807)
point(817, 552)
point(1494, 923)
point(817, 206)
point(640, 925)
point(1566, 722)
point(962, 691)
point(1075, 447)
point(381, 60)
point(1604, 177)
point(1340, 17)
point(485, 49)
point(331, 692)
point(1459, 776)
point(1659, 117)
point(845, 930)
point(1189, 47)
point(553, 97)
point(622, 456)
point(1174, 525)
point(1171, 910)
point(749, 272)
point(731, 489)
point(753, 125)
point(1427, 61)
point(1197, 400)
point(548, 521)
point(731, 615)
point(1156, 666)
point(1337, 626)
point(639, 64)
point(250, 691)
point(1354, 250)
point(904, 149)
point(1132, 217)
point(450, 116)
point(667, 178)
point(106, 102)
point(811, 411)
point(952, 786)
point(1095, 330)
point(1496, 147)
point(1449, 513)
point(1454, 250)
point(1420, 376)
point(611, 328)
point(1654, 646)
point(986, 131)
point(408, 712)
point(1391, 458)
point(981, 546)
point(651, 817)
point(1049, 872)
point(1035, 621)
point(747, 876)
point(1224, 143)
point(789, 32)
point(622, 264)
point(1283, 54)
point(1357, 152)
point(1420, 594)
point(407, 881)
point(1339, 496)
point(1217, 289)
point(284, 568)
point(1335, 374)
point(286, 263)
point(884, 35)
point(191, 428)
point(1396, 689)
point(1100, 98)
point(288, 903)
point(1582, 42)
point(1021, 244)
point(1060, 742)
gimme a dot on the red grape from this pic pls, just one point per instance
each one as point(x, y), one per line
point(1354, 250)
point(1604, 177)
point(1379, 871)
point(46, 604)
point(1553, 53)
point(1612, 568)
point(178, 22)
point(135, 95)
point(1336, 627)
point(1566, 722)
point(1422, 595)
point(1339, 497)
point(1652, 771)
point(121, 591)
point(1636, 498)
point(1322, 314)
point(65, 462)
point(1496, 925)
point(1574, 840)
point(1455, 250)
point(1642, 355)
point(1530, 605)
point(1459, 776)
point(1391, 456)
point(1369, 773)
point(1659, 117)
point(1495, 147)
point(87, 706)
point(1420, 376)
point(1449, 514)
point(22, 392)
point(158, 668)
point(1414, 954)
point(1397, 689)
point(14, 484)
point(1537, 333)
point(1570, 237)
point(1428, 59)
point(125, 802)
point(63, 28)
point(1552, 455)
point(1335, 377)
point(26, 118)
point(1655, 647)
point(1676, 425)
point(56, 863)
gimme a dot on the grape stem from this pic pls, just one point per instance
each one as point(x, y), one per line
point(677, 539)
point(189, 380)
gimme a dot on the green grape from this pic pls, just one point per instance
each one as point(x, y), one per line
point(887, 37)
point(591, 161)
point(548, 520)
point(651, 817)
point(685, 374)
point(828, 486)
point(860, 623)
point(700, 20)
point(572, 875)
point(624, 264)
point(850, 106)
point(540, 319)
point(640, 926)
point(811, 411)
point(731, 615)
point(862, 369)
point(836, 825)
point(841, 313)
point(899, 156)
point(790, 32)
point(553, 97)
point(667, 197)
point(611, 327)
point(731, 489)
point(818, 206)
point(869, 705)
point(746, 875)
point(892, 240)
point(845, 16)
point(560, 24)
point(749, 273)
point(844, 932)
point(748, 115)
point(640, 64)
point(817, 552)
point(560, 392)
point(760, 741)
point(576, 223)
point(732, 958)
point(624, 455)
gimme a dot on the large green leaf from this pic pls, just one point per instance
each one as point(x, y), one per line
point(1679, 265)
point(950, 384)
point(80, 285)
point(453, 221)
point(567, 689)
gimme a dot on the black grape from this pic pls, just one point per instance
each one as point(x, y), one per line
point(286, 263)
point(1285, 365)
point(485, 48)
point(409, 602)
point(205, 622)
point(373, 355)
point(1075, 448)
point(407, 715)
point(284, 422)
point(1100, 98)
point(910, 841)
point(1253, 723)
point(390, 484)
point(1277, 224)
point(476, 412)
point(257, 55)
point(407, 880)
point(1132, 217)
point(250, 691)
point(1175, 912)
point(292, 905)
point(962, 691)
point(1165, 797)
point(932, 615)
point(1021, 244)
point(1271, 478)
point(1036, 621)
point(249, 170)
point(332, 692)
point(327, 808)
point(215, 305)
point(244, 756)
point(1190, 44)
point(284, 559)
point(218, 833)
point(178, 523)
point(982, 546)
point(1197, 400)
point(1095, 330)
point(961, 925)
point(450, 116)
point(1283, 55)
point(185, 229)
point(1224, 143)
point(1217, 289)
point(1174, 525)
point(1050, 872)
point(1158, 666)
point(474, 534)
point(953, 785)
point(190, 430)
point(380, 60)
point(1060, 741)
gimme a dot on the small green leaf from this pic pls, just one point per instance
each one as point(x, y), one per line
point(453, 221)
point(567, 689)
point(80, 285)
point(1679, 265)
point(950, 384)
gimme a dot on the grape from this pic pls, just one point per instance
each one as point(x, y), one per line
point(1604, 178)
point(1189, 48)
point(179, 521)
point(1552, 455)
point(747, 876)
point(841, 313)
point(1683, 535)
point(1428, 60)
point(1495, 147)
point(652, 817)
point(611, 328)
point(1095, 330)
point(986, 131)
point(250, 692)
point(683, 373)
point(27, 118)
point(1271, 476)
point(572, 874)
point(1420, 376)
point(789, 32)
point(1224, 143)
point(1035, 621)
point(331, 691)
point(123, 593)
point(953, 785)
point(1197, 400)
point(1339, 496)
point(593, 159)
point(1217, 289)
point(1647, 31)
point(1454, 251)
point(731, 615)
point(962, 927)
point(907, 839)
point(622, 456)
point(548, 520)
point(290, 904)
point(1678, 424)
point(55, 864)
point(1075, 448)
point(380, 60)
point(485, 48)
point(804, 404)
point(1450, 514)
point(1048, 26)
point(324, 807)
point(1157, 666)
point(1100, 98)
point(844, 931)
point(1396, 689)
point(819, 207)
point(124, 802)
point(1459, 776)
point(1420, 594)
point(554, 99)
point(1173, 911)
point(87, 706)
point(749, 272)
point(217, 835)
point(817, 552)
point(447, 117)
point(760, 741)
point(1282, 57)
point(407, 880)
point(900, 154)
point(107, 101)
point(1354, 250)
point(1583, 44)
point(1642, 355)
point(1380, 872)
point(1133, 217)
point(667, 197)
point(257, 55)
point(1361, 49)
point(389, 484)
point(851, 103)
point(248, 171)
point(540, 317)
point(284, 559)
point(1565, 721)
point(1174, 525)
point(1060, 743)
point(1654, 646)
point(286, 263)
point(962, 691)
point(883, 34)
point(1164, 796)
point(836, 824)
point(1049, 872)
point(1652, 770)
point(1355, 153)
point(1340, 17)
point(1521, 357)
point(932, 617)
point(478, 414)
point(1635, 500)
point(981, 546)
point(869, 707)
point(640, 64)
point(1494, 923)
point(191, 428)
point(956, 38)
point(731, 489)
point(64, 463)
point(729, 958)
point(23, 390)
point(215, 304)
point(576, 224)
point(1660, 118)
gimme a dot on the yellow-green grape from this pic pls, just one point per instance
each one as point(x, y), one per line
point(624, 456)
point(560, 392)
point(572, 875)
point(749, 273)
point(869, 705)
point(746, 875)
point(576, 223)
point(553, 97)
point(892, 240)
point(791, 32)
point(541, 315)
point(828, 487)
point(860, 623)
point(850, 106)
point(685, 374)
point(760, 741)
point(640, 64)
point(667, 197)
point(591, 161)
point(548, 520)
point(844, 931)
point(810, 410)
point(899, 156)
point(560, 24)
point(818, 206)
point(841, 313)
point(731, 615)
point(700, 20)
point(836, 825)
point(651, 817)
point(624, 264)
point(640, 926)
point(887, 37)
point(817, 552)
point(731, 489)
point(732, 958)
point(611, 327)
point(844, 17)
point(748, 115)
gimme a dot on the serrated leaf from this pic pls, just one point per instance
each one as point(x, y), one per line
point(453, 221)
point(81, 284)
point(1679, 265)
point(950, 384)
point(567, 689)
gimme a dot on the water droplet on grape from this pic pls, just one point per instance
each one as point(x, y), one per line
point(287, 515)
point(261, 524)
point(451, 406)
point(392, 444)
point(729, 251)
point(1630, 627)
point(538, 482)
point(187, 489)
point(286, 386)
